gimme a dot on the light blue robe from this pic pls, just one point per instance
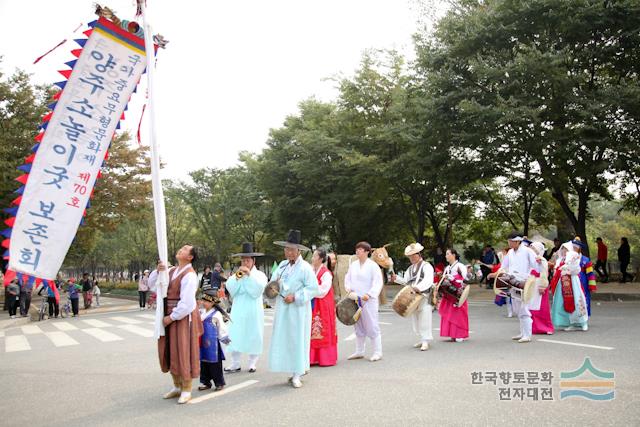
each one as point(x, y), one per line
point(291, 340)
point(246, 329)
point(562, 319)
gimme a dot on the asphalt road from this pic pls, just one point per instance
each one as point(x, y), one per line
point(102, 369)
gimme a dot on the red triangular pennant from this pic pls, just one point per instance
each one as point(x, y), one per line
point(38, 137)
point(122, 116)
point(10, 221)
point(65, 73)
point(88, 32)
point(6, 243)
point(17, 201)
point(47, 117)
point(9, 276)
point(57, 95)
point(76, 52)
point(22, 179)
point(30, 158)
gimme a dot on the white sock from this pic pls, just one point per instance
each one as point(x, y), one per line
point(253, 360)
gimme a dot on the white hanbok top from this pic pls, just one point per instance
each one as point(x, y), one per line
point(188, 287)
point(364, 278)
point(520, 263)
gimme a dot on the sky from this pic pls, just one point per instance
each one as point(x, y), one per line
point(232, 69)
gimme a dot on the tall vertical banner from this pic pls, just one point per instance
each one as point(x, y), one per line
point(60, 177)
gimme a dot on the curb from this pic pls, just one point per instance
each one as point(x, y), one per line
point(612, 296)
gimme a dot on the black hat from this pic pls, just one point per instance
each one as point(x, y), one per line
point(211, 298)
point(293, 241)
point(247, 250)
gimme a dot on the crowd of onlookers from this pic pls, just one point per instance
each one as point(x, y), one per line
point(18, 295)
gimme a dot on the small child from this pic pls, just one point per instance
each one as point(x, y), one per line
point(96, 292)
point(215, 333)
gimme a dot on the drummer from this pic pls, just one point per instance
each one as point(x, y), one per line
point(454, 320)
point(521, 262)
point(420, 277)
point(363, 282)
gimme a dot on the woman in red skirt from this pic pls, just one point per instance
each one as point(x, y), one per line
point(324, 336)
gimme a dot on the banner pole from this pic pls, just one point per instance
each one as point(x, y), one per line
point(162, 282)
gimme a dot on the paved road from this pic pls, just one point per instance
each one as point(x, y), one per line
point(102, 370)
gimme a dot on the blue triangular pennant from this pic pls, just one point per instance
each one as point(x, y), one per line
point(25, 168)
point(92, 23)
point(6, 233)
point(81, 42)
point(71, 64)
point(61, 84)
point(11, 211)
point(88, 204)
point(35, 147)
point(118, 126)
point(20, 190)
point(6, 253)
point(52, 105)
point(44, 125)
point(82, 221)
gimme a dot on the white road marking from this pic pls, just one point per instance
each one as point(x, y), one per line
point(31, 329)
point(222, 392)
point(147, 333)
point(576, 344)
point(102, 335)
point(384, 323)
point(60, 339)
point(126, 320)
point(97, 323)
point(147, 316)
point(65, 326)
point(351, 337)
point(16, 343)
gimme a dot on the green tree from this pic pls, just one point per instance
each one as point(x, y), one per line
point(555, 80)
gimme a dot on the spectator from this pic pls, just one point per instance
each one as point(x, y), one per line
point(601, 263)
point(136, 277)
point(217, 278)
point(73, 289)
point(143, 289)
point(488, 259)
point(96, 291)
point(205, 280)
point(87, 286)
point(54, 308)
point(13, 291)
point(624, 256)
point(25, 298)
point(553, 250)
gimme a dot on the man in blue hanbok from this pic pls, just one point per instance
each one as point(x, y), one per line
point(247, 312)
point(291, 339)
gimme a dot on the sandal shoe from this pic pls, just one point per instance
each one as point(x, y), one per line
point(203, 387)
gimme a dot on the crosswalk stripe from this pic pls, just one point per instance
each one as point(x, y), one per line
point(31, 329)
point(101, 334)
point(146, 316)
point(60, 339)
point(126, 320)
point(147, 333)
point(226, 390)
point(16, 343)
point(65, 326)
point(97, 323)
